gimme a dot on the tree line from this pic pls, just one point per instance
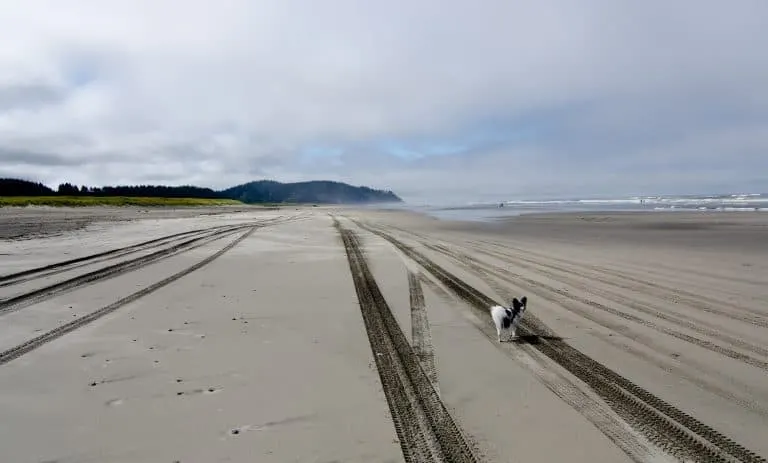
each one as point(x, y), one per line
point(263, 191)
point(18, 187)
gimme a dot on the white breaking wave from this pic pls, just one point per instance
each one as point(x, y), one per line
point(488, 210)
point(735, 201)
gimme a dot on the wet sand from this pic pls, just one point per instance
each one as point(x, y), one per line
point(279, 348)
point(41, 221)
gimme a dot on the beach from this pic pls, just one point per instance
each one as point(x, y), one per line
point(320, 334)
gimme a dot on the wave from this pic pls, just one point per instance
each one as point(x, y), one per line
point(742, 199)
point(485, 210)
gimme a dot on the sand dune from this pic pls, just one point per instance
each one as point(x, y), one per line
point(333, 334)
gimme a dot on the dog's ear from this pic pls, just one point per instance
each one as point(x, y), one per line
point(515, 303)
point(524, 300)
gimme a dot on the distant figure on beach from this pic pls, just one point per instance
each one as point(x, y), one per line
point(508, 319)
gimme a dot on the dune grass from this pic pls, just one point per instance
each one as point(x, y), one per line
point(115, 201)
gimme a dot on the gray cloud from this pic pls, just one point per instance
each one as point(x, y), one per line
point(29, 96)
point(546, 98)
point(31, 158)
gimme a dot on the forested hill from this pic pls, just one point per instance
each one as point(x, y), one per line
point(265, 191)
point(17, 187)
point(319, 191)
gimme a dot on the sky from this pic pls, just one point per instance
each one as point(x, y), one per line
point(437, 100)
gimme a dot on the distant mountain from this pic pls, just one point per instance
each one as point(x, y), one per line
point(318, 191)
point(264, 191)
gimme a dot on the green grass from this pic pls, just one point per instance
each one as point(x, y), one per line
point(81, 201)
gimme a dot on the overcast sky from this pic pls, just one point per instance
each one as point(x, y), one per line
point(466, 100)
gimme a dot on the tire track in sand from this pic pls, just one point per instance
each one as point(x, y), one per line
point(568, 278)
point(624, 280)
point(562, 297)
point(23, 276)
point(420, 333)
point(636, 446)
point(670, 429)
point(21, 301)
point(426, 430)
point(490, 274)
point(28, 346)
point(71, 264)
point(748, 403)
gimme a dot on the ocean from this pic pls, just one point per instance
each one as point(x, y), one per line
point(485, 211)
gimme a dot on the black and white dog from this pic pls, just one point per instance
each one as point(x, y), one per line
point(509, 319)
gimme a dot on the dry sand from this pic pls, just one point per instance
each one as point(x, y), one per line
point(269, 352)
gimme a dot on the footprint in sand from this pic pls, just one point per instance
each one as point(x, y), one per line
point(249, 427)
point(112, 380)
point(210, 390)
point(114, 402)
point(240, 430)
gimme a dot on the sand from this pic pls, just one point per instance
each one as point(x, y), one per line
point(640, 328)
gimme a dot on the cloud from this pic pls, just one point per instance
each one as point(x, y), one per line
point(29, 96)
point(434, 99)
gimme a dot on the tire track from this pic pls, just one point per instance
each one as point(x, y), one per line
point(747, 403)
point(424, 427)
point(67, 265)
point(636, 446)
point(712, 276)
point(562, 297)
point(639, 306)
point(673, 295)
point(672, 430)
point(420, 332)
point(23, 300)
point(71, 264)
point(28, 346)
